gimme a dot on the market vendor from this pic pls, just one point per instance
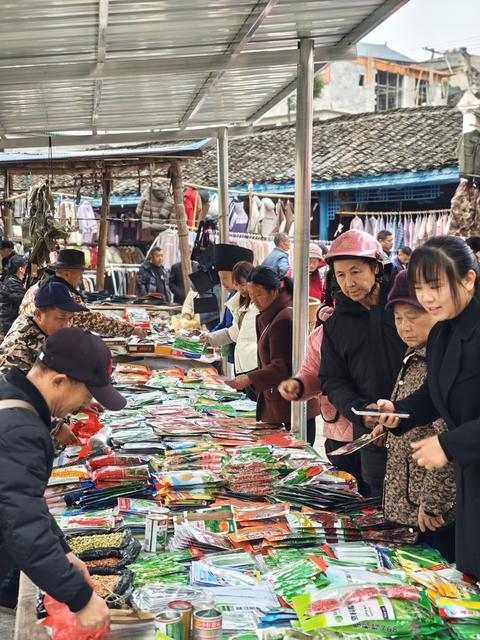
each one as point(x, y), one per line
point(73, 367)
point(153, 277)
point(69, 270)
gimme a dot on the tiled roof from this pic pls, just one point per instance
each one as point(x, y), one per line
point(367, 144)
point(360, 145)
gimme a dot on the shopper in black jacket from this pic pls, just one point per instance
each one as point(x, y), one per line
point(73, 366)
point(152, 277)
point(446, 275)
point(361, 350)
point(12, 290)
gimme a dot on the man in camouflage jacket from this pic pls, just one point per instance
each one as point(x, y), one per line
point(54, 310)
point(69, 272)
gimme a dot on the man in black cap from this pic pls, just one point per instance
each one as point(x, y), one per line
point(7, 251)
point(73, 367)
point(69, 270)
point(226, 257)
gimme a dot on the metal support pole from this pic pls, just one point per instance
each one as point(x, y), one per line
point(303, 188)
point(222, 165)
point(222, 159)
point(7, 209)
point(323, 207)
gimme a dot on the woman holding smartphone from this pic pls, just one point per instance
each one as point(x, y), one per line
point(445, 275)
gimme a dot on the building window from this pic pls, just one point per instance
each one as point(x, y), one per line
point(388, 91)
point(421, 92)
point(361, 80)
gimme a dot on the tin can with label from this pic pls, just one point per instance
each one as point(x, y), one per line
point(156, 527)
point(185, 609)
point(207, 624)
point(169, 623)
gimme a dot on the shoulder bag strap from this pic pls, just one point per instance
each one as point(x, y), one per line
point(17, 404)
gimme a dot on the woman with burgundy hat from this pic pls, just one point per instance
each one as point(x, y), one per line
point(361, 350)
point(414, 496)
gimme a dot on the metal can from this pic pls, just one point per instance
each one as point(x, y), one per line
point(207, 624)
point(156, 527)
point(185, 609)
point(169, 623)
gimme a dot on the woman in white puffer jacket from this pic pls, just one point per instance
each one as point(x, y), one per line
point(242, 333)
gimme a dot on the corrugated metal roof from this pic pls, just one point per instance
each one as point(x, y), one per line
point(105, 154)
point(116, 66)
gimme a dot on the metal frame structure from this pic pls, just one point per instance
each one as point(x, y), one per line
point(112, 71)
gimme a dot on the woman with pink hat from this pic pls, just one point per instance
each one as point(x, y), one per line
point(361, 349)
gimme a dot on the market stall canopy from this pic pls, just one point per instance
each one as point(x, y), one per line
point(93, 71)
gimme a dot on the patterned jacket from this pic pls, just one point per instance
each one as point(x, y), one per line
point(21, 345)
point(89, 320)
point(408, 485)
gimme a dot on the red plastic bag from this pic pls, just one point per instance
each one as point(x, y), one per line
point(65, 625)
point(85, 429)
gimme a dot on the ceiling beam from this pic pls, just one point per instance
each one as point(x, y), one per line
point(385, 10)
point(258, 14)
point(36, 142)
point(156, 67)
point(101, 55)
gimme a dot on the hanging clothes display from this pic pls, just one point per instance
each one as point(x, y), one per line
point(409, 228)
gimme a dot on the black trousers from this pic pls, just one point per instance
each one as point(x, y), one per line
point(442, 540)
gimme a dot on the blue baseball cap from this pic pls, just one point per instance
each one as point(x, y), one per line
point(56, 294)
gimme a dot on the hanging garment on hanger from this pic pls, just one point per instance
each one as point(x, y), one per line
point(289, 216)
point(281, 220)
point(465, 217)
point(87, 222)
point(241, 218)
point(357, 224)
point(232, 214)
point(268, 217)
point(254, 215)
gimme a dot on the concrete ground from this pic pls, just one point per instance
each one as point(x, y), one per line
point(7, 626)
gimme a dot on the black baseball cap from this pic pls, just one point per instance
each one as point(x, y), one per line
point(56, 294)
point(6, 244)
point(84, 357)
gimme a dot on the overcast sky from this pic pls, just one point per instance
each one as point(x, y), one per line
point(441, 24)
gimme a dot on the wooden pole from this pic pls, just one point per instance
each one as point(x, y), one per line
point(7, 211)
point(103, 232)
point(177, 184)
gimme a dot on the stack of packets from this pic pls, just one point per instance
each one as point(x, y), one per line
point(260, 526)
point(250, 471)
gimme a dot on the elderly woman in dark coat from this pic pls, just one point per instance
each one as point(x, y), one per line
point(414, 496)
